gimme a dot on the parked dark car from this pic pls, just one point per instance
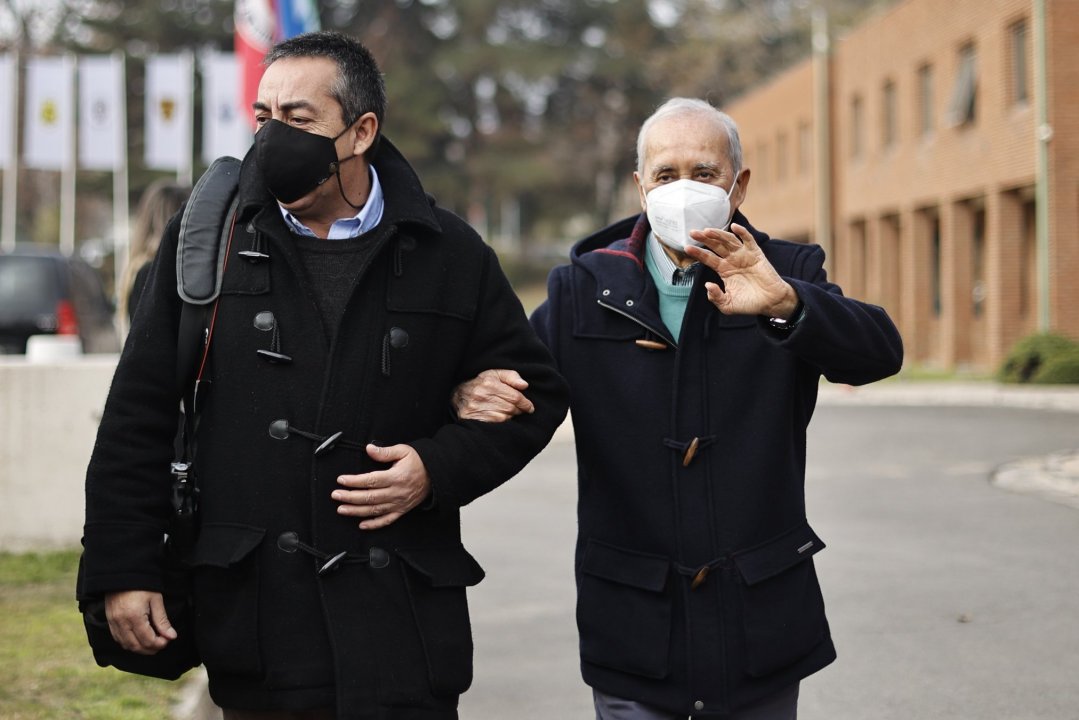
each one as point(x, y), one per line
point(43, 292)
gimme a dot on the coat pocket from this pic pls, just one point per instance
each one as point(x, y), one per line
point(624, 611)
point(782, 607)
point(436, 579)
point(225, 578)
point(243, 277)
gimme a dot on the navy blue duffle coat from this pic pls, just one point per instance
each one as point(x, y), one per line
point(696, 585)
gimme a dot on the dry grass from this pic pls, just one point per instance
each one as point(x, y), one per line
point(47, 666)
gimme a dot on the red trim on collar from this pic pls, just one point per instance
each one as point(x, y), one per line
point(635, 243)
point(621, 253)
point(638, 237)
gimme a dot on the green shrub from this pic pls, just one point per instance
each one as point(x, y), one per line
point(1033, 353)
point(1060, 369)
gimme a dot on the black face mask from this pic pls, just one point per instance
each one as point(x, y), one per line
point(294, 162)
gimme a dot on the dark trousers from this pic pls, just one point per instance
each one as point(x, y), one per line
point(781, 706)
point(324, 714)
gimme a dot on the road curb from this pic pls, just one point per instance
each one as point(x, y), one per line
point(956, 394)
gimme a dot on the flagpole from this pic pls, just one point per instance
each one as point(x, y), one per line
point(67, 174)
point(121, 246)
point(11, 170)
point(185, 167)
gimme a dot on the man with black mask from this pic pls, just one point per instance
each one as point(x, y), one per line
point(328, 572)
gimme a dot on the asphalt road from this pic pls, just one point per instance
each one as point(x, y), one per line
point(948, 597)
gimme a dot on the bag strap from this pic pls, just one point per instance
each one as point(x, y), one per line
point(200, 264)
point(205, 228)
point(206, 231)
point(196, 332)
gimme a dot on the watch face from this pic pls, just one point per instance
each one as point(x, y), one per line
point(781, 324)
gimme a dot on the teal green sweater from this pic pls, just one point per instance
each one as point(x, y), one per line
point(672, 298)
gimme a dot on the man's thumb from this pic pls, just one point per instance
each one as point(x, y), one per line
point(160, 619)
point(387, 454)
point(512, 378)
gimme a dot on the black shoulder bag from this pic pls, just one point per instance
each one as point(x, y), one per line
point(206, 228)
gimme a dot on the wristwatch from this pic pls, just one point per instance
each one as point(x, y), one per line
point(788, 325)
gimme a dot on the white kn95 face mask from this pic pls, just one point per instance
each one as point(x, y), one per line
point(677, 207)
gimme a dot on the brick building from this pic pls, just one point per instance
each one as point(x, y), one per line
point(917, 149)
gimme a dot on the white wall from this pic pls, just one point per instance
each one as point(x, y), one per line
point(49, 413)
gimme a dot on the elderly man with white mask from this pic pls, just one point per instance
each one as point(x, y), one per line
point(693, 345)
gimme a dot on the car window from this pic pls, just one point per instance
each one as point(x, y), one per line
point(28, 286)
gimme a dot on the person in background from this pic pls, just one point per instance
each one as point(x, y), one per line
point(693, 344)
point(161, 200)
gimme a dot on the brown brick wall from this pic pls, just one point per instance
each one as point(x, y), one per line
point(773, 130)
point(891, 177)
point(1063, 78)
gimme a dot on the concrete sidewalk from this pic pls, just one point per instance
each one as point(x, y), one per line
point(954, 393)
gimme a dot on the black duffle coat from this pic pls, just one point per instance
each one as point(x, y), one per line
point(696, 591)
point(432, 309)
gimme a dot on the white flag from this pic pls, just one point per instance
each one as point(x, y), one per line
point(225, 129)
point(168, 112)
point(7, 110)
point(50, 113)
point(102, 125)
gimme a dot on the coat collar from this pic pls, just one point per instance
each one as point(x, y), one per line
point(614, 257)
point(406, 201)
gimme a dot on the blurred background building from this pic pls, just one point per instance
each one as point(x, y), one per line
point(933, 150)
point(928, 146)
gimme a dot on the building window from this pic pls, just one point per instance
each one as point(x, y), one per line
point(925, 99)
point(1028, 269)
point(962, 110)
point(805, 147)
point(888, 265)
point(977, 259)
point(1020, 78)
point(856, 130)
point(936, 260)
point(781, 157)
point(889, 111)
point(857, 249)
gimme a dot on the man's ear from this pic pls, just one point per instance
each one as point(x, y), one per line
point(364, 131)
point(741, 189)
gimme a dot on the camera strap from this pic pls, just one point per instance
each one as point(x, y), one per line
point(206, 233)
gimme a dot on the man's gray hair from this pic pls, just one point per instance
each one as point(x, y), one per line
point(689, 106)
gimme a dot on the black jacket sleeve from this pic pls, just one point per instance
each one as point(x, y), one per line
point(468, 458)
point(128, 481)
point(846, 340)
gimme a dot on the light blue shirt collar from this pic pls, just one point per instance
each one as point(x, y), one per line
point(344, 228)
point(667, 268)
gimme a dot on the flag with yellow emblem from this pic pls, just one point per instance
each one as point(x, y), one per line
point(168, 112)
point(48, 125)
